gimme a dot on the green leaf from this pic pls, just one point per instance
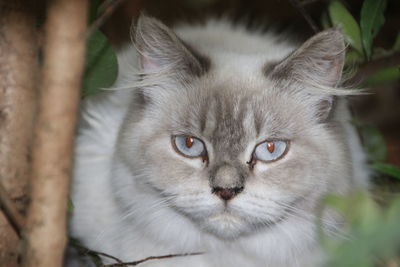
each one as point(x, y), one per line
point(387, 169)
point(396, 45)
point(353, 58)
point(388, 75)
point(371, 21)
point(374, 144)
point(342, 18)
point(393, 212)
point(101, 64)
point(373, 230)
point(94, 6)
point(325, 21)
point(70, 205)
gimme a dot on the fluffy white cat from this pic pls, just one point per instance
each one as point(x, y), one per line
point(217, 140)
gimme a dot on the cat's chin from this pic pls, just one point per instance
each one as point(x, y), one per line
point(226, 226)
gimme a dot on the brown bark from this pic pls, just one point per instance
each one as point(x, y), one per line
point(18, 69)
point(65, 30)
point(9, 209)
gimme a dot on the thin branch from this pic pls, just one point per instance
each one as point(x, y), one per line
point(105, 10)
point(297, 5)
point(371, 67)
point(134, 263)
point(308, 2)
point(11, 212)
point(85, 251)
point(93, 252)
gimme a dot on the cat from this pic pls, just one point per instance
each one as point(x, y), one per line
point(218, 140)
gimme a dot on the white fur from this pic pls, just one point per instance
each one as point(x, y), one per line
point(105, 226)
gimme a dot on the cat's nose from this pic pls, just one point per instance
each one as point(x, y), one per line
point(227, 193)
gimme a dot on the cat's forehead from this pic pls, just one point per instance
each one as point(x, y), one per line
point(231, 113)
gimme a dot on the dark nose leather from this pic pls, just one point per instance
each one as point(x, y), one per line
point(227, 193)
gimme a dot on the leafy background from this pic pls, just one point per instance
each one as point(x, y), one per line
point(372, 30)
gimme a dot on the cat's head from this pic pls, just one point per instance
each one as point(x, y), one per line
point(236, 143)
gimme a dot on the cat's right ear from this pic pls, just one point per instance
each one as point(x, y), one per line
point(160, 49)
point(318, 61)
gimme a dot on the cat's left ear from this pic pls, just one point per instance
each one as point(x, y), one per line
point(160, 49)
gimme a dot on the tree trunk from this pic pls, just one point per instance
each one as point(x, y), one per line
point(18, 75)
point(65, 40)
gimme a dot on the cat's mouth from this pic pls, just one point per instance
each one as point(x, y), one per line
point(232, 220)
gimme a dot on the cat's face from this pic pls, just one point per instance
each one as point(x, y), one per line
point(235, 155)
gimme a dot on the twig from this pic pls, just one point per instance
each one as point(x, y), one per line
point(134, 263)
point(105, 10)
point(105, 5)
point(85, 251)
point(12, 214)
point(308, 2)
point(64, 55)
point(88, 252)
point(296, 4)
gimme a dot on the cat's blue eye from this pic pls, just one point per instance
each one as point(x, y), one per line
point(270, 150)
point(189, 146)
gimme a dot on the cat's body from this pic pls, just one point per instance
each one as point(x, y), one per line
point(136, 196)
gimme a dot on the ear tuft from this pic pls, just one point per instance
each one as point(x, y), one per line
point(161, 49)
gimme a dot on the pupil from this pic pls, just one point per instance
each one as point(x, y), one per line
point(270, 147)
point(189, 141)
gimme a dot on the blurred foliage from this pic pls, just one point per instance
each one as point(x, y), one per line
point(374, 143)
point(101, 68)
point(101, 64)
point(360, 36)
point(93, 10)
point(342, 18)
point(384, 76)
point(70, 206)
point(371, 21)
point(373, 230)
point(387, 169)
point(396, 45)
